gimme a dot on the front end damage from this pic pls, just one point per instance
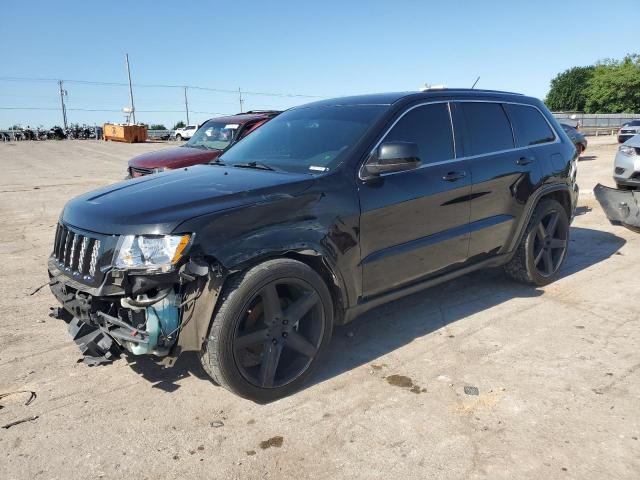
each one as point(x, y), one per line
point(622, 207)
point(160, 314)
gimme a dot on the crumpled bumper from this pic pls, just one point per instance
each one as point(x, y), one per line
point(104, 325)
point(622, 207)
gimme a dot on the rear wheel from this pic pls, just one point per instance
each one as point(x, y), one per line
point(272, 326)
point(543, 247)
point(179, 137)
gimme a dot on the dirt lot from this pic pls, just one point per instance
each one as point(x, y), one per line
point(557, 368)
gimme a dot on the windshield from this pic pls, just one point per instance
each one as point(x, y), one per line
point(306, 140)
point(633, 123)
point(213, 135)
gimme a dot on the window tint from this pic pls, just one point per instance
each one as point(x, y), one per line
point(529, 125)
point(429, 126)
point(488, 128)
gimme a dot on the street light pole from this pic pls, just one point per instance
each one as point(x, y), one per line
point(133, 109)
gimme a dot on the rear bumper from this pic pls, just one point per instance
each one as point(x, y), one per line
point(622, 207)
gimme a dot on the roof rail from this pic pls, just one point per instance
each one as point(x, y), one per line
point(258, 111)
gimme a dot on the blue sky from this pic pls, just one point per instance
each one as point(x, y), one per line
point(327, 48)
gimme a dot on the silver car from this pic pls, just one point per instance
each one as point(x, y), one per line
point(628, 130)
point(626, 167)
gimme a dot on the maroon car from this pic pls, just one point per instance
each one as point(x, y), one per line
point(208, 143)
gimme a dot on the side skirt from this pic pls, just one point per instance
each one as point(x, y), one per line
point(369, 303)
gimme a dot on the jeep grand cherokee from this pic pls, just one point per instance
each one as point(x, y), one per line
point(328, 210)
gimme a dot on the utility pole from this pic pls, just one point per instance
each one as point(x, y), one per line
point(186, 104)
point(241, 100)
point(133, 109)
point(64, 108)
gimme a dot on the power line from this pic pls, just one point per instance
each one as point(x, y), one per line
point(148, 85)
point(110, 110)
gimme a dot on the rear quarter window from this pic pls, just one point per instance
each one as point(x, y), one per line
point(529, 125)
point(488, 128)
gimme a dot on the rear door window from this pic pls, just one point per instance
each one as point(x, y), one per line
point(529, 125)
point(429, 126)
point(488, 128)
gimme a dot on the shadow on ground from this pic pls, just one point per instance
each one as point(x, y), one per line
point(391, 326)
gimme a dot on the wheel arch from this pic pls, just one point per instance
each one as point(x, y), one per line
point(313, 258)
point(560, 192)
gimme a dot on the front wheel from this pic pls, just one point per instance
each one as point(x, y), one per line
point(271, 327)
point(179, 137)
point(543, 247)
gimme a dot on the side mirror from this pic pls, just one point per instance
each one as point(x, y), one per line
point(393, 157)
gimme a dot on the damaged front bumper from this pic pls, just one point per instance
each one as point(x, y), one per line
point(622, 207)
point(161, 315)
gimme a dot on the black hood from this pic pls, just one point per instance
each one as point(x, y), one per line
point(158, 203)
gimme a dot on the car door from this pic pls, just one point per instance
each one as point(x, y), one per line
point(414, 223)
point(503, 176)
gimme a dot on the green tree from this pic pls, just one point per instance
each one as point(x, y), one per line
point(567, 91)
point(157, 126)
point(614, 86)
point(180, 124)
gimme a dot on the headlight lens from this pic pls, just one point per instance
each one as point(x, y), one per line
point(153, 252)
point(627, 150)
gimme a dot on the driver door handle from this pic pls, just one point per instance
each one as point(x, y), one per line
point(454, 176)
point(524, 160)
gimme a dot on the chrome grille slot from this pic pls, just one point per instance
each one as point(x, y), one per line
point(76, 253)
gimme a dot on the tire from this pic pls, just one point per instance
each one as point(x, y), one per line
point(538, 247)
point(179, 138)
point(244, 369)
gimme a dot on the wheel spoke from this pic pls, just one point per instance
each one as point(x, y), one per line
point(538, 257)
point(252, 338)
point(297, 342)
point(271, 303)
point(548, 261)
point(541, 232)
point(270, 360)
point(557, 243)
point(553, 224)
point(300, 307)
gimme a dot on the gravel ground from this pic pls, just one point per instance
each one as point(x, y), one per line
point(557, 369)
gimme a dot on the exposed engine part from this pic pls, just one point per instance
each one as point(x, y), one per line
point(143, 301)
point(161, 327)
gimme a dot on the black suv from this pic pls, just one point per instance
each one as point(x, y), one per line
point(328, 210)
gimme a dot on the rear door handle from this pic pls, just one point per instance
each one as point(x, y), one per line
point(524, 160)
point(453, 176)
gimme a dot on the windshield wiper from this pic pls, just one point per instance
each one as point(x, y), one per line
point(256, 165)
point(217, 161)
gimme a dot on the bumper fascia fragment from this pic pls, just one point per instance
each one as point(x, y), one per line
point(622, 207)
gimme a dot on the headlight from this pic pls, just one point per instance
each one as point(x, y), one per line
point(627, 150)
point(152, 252)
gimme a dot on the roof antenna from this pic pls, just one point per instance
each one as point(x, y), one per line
point(474, 83)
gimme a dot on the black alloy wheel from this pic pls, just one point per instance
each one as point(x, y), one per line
point(271, 327)
point(550, 244)
point(280, 333)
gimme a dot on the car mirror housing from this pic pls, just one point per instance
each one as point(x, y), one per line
point(393, 157)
